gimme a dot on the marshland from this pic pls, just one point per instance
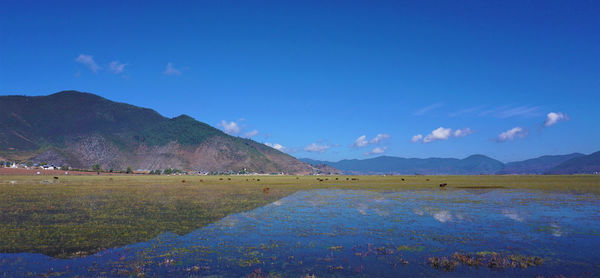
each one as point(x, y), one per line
point(299, 225)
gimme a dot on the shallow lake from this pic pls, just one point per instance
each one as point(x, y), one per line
point(454, 232)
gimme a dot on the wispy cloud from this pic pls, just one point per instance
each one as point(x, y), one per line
point(553, 118)
point(88, 61)
point(524, 111)
point(171, 70)
point(416, 138)
point(377, 150)
point(316, 148)
point(362, 141)
point(116, 67)
point(251, 134)
point(379, 138)
point(276, 146)
point(511, 134)
point(441, 133)
point(502, 112)
point(428, 108)
point(231, 128)
point(467, 111)
point(462, 132)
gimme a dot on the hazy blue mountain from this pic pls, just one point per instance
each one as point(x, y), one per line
point(539, 165)
point(472, 165)
point(587, 164)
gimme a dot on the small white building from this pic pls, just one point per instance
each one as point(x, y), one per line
point(48, 167)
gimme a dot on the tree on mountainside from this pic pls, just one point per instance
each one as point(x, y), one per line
point(96, 167)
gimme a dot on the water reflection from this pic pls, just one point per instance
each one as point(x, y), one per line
point(364, 233)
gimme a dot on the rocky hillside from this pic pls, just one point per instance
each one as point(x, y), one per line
point(82, 129)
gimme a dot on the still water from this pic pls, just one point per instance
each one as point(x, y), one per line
point(329, 233)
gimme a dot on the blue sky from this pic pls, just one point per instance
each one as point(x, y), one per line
point(313, 77)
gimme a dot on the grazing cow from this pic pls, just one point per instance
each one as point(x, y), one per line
point(257, 179)
point(220, 179)
point(266, 190)
point(427, 180)
point(228, 179)
point(201, 180)
point(402, 179)
point(183, 181)
point(443, 184)
point(55, 178)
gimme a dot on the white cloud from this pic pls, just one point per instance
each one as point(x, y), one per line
point(116, 67)
point(251, 134)
point(516, 132)
point(378, 150)
point(462, 132)
point(416, 138)
point(361, 141)
point(88, 60)
point(438, 134)
point(276, 146)
point(230, 127)
point(552, 118)
point(315, 148)
point(379, 138)
point(441, 133)
point(426, 109)
point(171, 70)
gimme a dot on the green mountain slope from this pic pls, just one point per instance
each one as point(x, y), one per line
point(82, 129)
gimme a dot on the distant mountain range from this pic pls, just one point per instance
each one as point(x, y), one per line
point(575, 163)
point(81, 129)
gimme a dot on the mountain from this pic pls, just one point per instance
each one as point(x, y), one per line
point(538, 165)
point(574, 163)
point(82, 129)
point(586, 164)
point(472, 165)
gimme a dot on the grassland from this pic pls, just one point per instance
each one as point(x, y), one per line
point(77, 215)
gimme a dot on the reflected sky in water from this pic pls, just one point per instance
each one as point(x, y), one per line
point(361, 233)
